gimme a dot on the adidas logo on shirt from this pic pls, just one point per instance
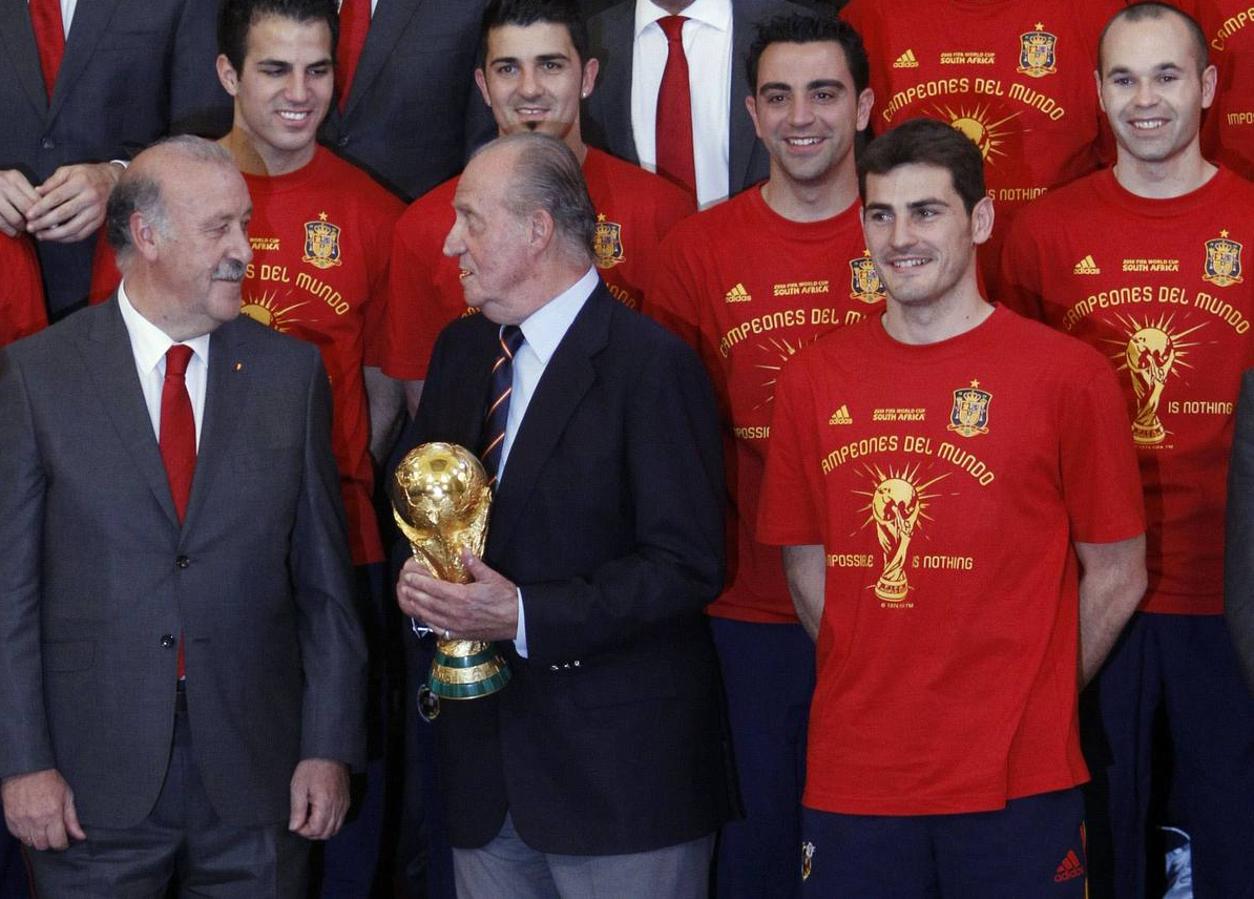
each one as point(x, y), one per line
point(1069, 868)
point(906, 61)
point(841, 417)
point(1087, 266)
point(738, 294)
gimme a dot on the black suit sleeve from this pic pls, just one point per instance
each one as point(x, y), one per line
point(198, 102)
point(1239, 557)
point(674, 479)
point(333, 651)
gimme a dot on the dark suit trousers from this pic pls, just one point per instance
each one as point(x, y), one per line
point(181, 841)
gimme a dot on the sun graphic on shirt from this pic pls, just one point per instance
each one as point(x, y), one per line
point(778, 351)
point(900, 489)
point(265, 310)
point(974, 122)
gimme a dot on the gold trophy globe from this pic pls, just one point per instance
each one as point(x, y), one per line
point(440, 499)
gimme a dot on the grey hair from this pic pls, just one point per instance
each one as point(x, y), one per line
point(138, 191)
point(548, 176)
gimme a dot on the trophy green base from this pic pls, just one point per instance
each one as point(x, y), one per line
point(467, 669)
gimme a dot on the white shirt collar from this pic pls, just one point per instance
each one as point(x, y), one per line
point(545, 328)
point(715, 13)
point(148, 342)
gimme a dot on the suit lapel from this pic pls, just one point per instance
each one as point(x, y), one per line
point(742, 138)
point(91, 20)
point(18, 39)
point(107, 349)
point(614, 82)
point(566, 379)
point(226, 394)
point(386, 25)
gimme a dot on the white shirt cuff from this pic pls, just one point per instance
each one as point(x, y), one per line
point(520, 641)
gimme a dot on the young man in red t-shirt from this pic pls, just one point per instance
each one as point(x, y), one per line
point(962, 531)
point(536, 70)
point(1145, 262)
point(748, 283)
point(319, 233)
point(1014, 76)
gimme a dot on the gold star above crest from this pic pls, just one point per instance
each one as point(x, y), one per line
point(866, 253)
point(1223, 232)
point(600, 216)
point(1040, 26)
point(322, 216)
point(975, 383)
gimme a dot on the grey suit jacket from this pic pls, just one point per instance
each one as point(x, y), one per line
point(413, 109)
point(97, 577)
point(133, 71)
point(607, 113)
point(1239, 557)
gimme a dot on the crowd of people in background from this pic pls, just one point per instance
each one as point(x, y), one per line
point(863, 388)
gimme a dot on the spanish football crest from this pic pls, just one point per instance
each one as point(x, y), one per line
point(864, 280)
point(807, 859)
point(322, 243)
point(1037, 51)
point(969, 415)
point(1223, 261)
point(607, 243)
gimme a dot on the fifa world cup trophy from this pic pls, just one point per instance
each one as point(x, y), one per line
point(1149, 356)
point(896, 509)
point(440, 499)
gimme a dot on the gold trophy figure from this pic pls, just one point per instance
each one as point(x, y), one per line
point(1149, 355)
point(896, 509)
point(440, 499)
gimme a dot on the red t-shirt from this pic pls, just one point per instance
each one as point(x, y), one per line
point(748, 289)
point(947, 484)
point(22, 293)
point(320, 237)
point(1160, 288)
point(1015, 77)
point(635, 210)
point(1228, 126)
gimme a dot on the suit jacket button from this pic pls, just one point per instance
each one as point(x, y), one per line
point(554, 668)
point(168, 641)
point(48, 143)
point(343, 141)
point(182, 561)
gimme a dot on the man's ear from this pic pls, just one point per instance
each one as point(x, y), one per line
point(227, 75)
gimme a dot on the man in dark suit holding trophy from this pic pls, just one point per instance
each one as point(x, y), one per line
point(603, 761)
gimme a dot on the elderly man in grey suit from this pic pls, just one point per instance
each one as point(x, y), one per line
point(181, 669)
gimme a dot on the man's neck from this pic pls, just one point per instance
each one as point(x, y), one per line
point(918, 325)
point(811, 201)
point(1181, 174)
point(141, 292)
point(251, 159)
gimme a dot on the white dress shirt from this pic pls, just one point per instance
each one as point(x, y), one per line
point(542, 331)
point(707, 39)
point(149, 345)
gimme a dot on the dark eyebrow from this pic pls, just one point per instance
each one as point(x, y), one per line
point(826, 82)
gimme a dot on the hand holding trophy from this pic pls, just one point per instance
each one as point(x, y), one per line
point(440, 500)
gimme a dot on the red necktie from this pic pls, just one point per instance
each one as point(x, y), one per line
point(178, 438)
point(354, 23)
point(494, 420)
point(45, 17)
point(674, 110)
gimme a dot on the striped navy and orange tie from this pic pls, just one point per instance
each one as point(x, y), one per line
point(510, 339)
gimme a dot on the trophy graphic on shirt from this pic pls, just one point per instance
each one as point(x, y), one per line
point(895, 506)
point(440, 499)
point(1150, 354)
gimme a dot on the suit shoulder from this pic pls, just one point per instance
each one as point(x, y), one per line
point(51, 341)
